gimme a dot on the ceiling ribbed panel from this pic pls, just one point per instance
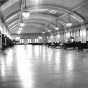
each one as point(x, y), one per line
point(43, 14)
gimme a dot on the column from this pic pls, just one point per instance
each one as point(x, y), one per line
point(83, 36)
point(0, 41)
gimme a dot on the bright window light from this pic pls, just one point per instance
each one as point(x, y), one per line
point(51, 36)
point(53, 11)
point(40, 37)
point(8, 35)
point(1, 29)
point(58, 36)
point(68, 34)
point(83, 33)
point(26, 14)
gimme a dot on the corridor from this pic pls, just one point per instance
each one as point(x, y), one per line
point(28, 66)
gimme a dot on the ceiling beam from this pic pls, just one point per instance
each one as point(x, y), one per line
point(84, 2)
point(2, 2)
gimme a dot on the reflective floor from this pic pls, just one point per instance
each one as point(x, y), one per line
point(41, 67)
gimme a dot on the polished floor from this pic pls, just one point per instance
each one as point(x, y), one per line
point(29, 66)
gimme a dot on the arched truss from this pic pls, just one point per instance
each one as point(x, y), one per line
point(43, 23)
point(52, 9)
point(56, 11)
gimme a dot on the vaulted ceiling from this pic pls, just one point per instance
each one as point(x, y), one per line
point(44, 15)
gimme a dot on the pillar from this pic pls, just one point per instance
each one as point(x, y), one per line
point(83, 34)
point(0, 41)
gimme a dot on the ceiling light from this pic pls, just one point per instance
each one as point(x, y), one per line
point(20, 29)
point(17, 38)
point(1, 29)
point(26, 14)
point(53, 11)
point(49, 30)
point(43, 32)
point(56, 28)
point(19, 32)
point(35, 2)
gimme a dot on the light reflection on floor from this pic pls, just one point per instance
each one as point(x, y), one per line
point(42, 67)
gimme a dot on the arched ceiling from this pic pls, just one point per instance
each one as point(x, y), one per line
point(44, 14)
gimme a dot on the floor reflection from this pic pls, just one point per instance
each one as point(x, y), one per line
point(41, 67)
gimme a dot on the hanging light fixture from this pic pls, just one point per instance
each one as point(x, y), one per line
point(22, 24)
point(56, 28)
point(49, 30)
point(69, 24)
point(53, 11)
point(43, 32)
point(17, 38)
point(26, 15)
point(19, 32)
point(40, 37)
point(20, 29)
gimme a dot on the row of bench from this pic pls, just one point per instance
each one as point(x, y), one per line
point(73, 45)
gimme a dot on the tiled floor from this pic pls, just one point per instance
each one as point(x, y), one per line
point(41, 67)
